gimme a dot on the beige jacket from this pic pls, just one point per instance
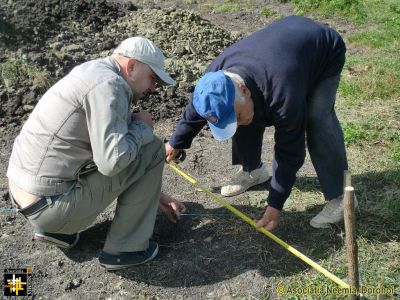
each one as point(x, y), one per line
point(83, 118)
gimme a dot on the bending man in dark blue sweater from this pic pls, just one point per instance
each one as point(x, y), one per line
point(285, 75)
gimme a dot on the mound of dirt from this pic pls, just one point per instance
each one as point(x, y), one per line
point(31, 23)
point(189, 43)
point(30, 61)
point(44, 40)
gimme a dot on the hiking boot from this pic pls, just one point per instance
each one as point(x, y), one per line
point(61, 240)
point(333, 212)
point(123, 260)
point(243, 180)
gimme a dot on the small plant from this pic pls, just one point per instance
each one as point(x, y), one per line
point(395, 151)
point(9, 71)
point(267, 12)
point(354, 133)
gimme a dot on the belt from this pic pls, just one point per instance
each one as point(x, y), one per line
point(35, 207)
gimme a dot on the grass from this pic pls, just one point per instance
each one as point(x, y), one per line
point(354, 133)
point(373, 92)
point(267, 12)
point(226, 6)
point(353, 9)
point(15, 70)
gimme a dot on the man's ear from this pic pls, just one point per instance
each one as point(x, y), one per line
point(243, 88)
point(130, 65)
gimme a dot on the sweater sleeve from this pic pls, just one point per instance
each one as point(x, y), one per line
point(289, 120)
point(288, 158)
point(188, 127)
point(114, 137)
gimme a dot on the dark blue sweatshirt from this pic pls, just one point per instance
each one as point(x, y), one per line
point(280, 64)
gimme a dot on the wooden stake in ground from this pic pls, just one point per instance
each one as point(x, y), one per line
point(351, 243)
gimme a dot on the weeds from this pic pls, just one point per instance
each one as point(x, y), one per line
point(14, 70)
point(267, 12)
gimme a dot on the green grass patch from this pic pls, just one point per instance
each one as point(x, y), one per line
point(353, 9)
point(380, 82)
point(15, 70)
point(266, 12)
point(372, 39)
point(227, 6)
point(370, 85)
point(354, 133)
point(371, 131)
point(384, 32)
point(395, 151)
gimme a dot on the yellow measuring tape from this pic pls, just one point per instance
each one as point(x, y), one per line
point(263, 230)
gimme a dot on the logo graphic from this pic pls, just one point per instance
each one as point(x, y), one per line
point(18, 282)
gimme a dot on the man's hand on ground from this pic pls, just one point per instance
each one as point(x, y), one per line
point(270, 219)
point(170, 152)
point(145, 117)
point(171, 207)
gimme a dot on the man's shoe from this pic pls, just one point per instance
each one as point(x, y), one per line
point(63, 241)
point(333, 212)
point(123, 260)
point(242, 181)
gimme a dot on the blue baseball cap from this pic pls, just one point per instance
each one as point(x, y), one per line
point(213, 99)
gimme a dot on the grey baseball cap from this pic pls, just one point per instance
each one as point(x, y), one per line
point(146, 52)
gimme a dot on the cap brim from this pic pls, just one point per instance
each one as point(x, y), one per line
point(164, 77)
point(224, 133)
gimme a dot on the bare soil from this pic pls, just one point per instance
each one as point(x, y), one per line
point(209, 254)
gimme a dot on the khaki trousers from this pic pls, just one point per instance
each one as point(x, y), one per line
point(137, 190)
